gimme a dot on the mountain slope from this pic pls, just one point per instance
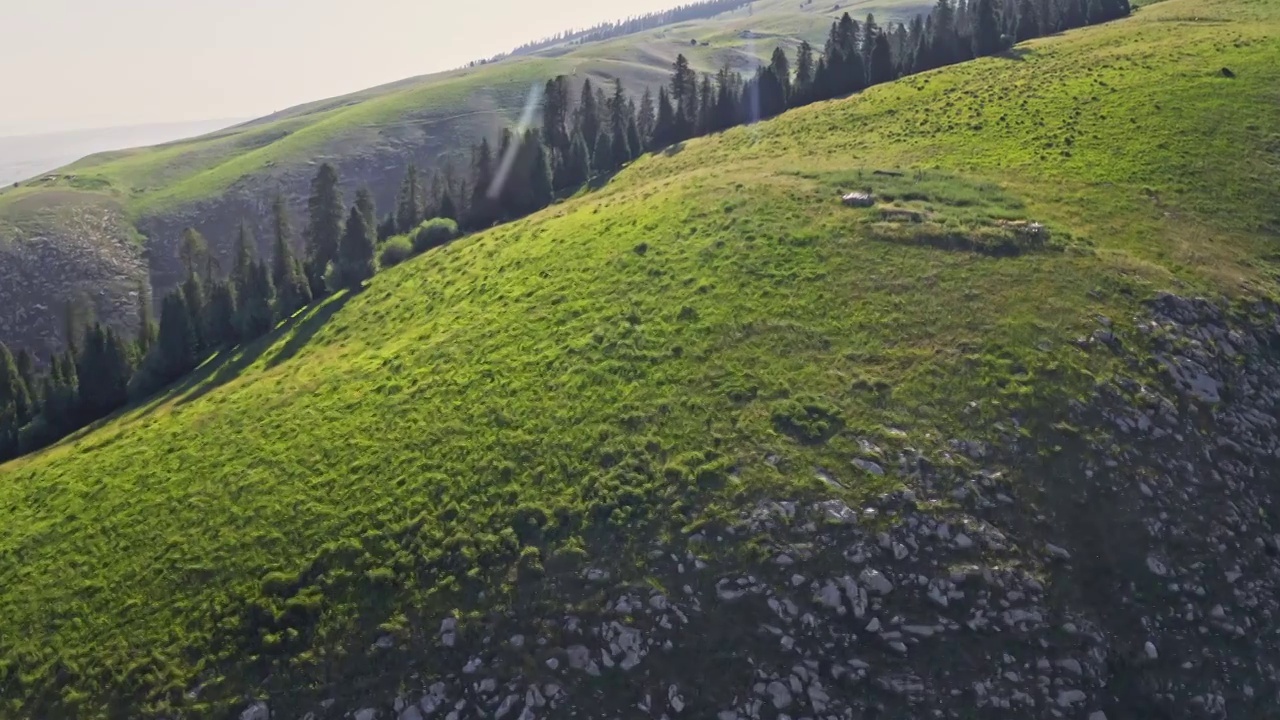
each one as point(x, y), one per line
point(216, 181)
point(625, 382)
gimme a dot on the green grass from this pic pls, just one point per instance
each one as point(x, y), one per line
point(619, 367)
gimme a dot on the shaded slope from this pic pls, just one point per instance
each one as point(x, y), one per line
point(622, 367)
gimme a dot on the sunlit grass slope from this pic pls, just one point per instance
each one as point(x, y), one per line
point(619, 366)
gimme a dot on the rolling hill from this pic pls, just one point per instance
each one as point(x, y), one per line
point(92, 232)
point(705, 442)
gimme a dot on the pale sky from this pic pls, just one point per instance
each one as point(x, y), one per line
point(70, 64)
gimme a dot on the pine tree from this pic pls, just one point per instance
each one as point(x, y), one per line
point(448, 210)
point(292, 290)
point(364, 201)
point(14, 393)
point(355, 262)
point(541, 192)
point(243, 253)
point(177, 348)
point(588, 115)
point(146, 318)
point(408, 211)
point(324, 226)
point(664, 126)
point(881, 69)
point(684, 96)
point(193, 251)
point(26, 364)
point(633, 137)
point(780, 66)
point(1028, 24)
point(647, 117)
point(578, 170)
point(482, 212)
point(194, 298)
point(986, 31)
point(222, 315)
point(802, 89)
point(602, 160)
point(258, 302)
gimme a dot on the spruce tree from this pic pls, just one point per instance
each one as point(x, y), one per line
point(222, 315)
point(193, 251)
point(541, 192)
point(633, 137)
point(292, 290)
point(1028, 25)
point(355, 262)
point(684, 96)
point(781, 68)
point(555, 119)
point(194, 297)
point(579, 167)
point(867, 45)
point(664, 126)
point(802, 88)
point(588, 115)
point(408, 210)
point(482, 213)
point(881, 69)
point(602, 160)
point(258, 302)
point(986, 31)
point(14, 393)
point(364, 201)
point(448, 210)
point(243, 254)
point(176, 346)
point(646, 117)
point(146, 318)
point(324, 226)
point(26, 364)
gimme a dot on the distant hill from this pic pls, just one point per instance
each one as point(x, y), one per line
point(23, 157)
point(95, 230)
point(707, 442)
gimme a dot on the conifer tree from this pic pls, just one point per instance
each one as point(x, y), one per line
point(555, 119)
point(602, 160)
point(193, 251)
point(408, 211)
point(588, 115)
point(146, 318)
point(194, 299)
point(177, 343)
point(646, 117)
point(324, 226)
point(448, 210)
point(664, 126)
point(243, 254)
point(355, 262)
point(578, 170)
point(258, 302)
point(482, 213)
point(222, 315)
point(633, 137)
point(541, 192)
point(881, 69)
point(1028, 22)
point(292, 290)
point(684, 97)
point(364, 201)
point(867, 44)
point(986, 30)
point(802, 88)
point(26, 364)
point(14, 394)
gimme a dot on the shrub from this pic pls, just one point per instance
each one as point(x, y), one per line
point(434, 233)
point(395, 251)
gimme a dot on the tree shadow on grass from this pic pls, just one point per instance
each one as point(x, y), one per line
point(229, 364)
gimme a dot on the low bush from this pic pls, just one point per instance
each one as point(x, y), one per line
point(395, 251)
point(434, 233)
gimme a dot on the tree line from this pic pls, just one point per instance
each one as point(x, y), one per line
point(585, 134)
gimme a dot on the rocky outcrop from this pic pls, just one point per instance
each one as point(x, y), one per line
point(88, 256)
point(1125, 566)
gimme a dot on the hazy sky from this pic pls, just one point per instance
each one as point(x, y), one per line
point(68, 64)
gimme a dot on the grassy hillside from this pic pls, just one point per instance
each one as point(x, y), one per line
point(622, 366)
